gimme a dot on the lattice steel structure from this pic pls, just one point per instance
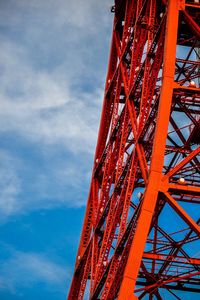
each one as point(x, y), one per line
point(141, 233)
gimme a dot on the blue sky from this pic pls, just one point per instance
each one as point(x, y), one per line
point(53, 61)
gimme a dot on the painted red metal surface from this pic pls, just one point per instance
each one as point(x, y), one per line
point(141, 232)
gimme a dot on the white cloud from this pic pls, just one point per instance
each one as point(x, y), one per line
point(25, 187)
point(52, 68)
point(39, 106)
point(75, 13)
point(9, 185)
point(25, 269)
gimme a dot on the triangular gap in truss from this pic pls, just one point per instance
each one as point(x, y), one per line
point(190, 207)
point(185, 168)
point(193, 247)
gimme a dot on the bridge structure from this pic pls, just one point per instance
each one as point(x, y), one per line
point(141, 232)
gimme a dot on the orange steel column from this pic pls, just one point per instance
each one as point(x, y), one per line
point(150, 198)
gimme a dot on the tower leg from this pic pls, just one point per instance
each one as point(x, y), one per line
point(150, 198)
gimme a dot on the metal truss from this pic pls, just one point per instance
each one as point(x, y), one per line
point(141, 232)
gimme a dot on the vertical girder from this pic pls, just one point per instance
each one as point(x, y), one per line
point(141, 232)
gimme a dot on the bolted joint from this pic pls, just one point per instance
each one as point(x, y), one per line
point(181, 4)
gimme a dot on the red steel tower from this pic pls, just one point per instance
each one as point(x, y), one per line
point(141, 233)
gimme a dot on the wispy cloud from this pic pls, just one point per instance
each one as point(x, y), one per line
point(51, 75)
point(52, 67)
point(9, 185)
point(36, 104)
point(27, 186)
point(23, 270)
